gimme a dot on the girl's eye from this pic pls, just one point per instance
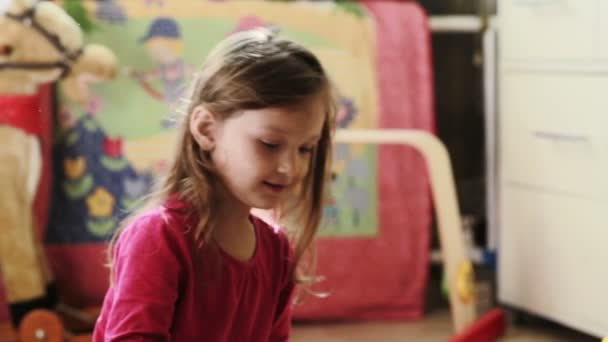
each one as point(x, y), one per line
point(306, 149)
point(270, 145)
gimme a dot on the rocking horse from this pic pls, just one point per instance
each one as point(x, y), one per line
point(39, 44)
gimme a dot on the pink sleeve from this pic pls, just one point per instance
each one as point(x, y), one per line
point(282, 327)
point(146, 280)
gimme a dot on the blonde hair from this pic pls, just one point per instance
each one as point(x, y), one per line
point(253, 70)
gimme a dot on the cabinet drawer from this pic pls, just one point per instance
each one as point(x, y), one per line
point(553, 131)
point(548, 30)
point(552, 257)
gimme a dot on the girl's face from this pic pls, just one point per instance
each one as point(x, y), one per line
point(262, 155)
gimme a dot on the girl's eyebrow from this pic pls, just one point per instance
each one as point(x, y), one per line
point(275, 129)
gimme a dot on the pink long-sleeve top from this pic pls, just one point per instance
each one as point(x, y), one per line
point(166, 289)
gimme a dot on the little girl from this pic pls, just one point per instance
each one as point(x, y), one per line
point(196, 265)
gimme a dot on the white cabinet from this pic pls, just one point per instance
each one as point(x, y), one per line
point(553, 160)
point(565, 28)
point(555, 130)
point(554, 263)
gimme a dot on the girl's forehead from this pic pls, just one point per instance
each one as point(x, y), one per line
point(286, 120)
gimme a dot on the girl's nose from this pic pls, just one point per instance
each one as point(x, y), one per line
point(288, 164)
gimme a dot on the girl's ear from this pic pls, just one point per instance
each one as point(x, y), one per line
point(202, 124)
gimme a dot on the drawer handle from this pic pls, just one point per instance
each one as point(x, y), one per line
point(561, 136)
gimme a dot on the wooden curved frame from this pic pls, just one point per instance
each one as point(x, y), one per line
point(445, 203)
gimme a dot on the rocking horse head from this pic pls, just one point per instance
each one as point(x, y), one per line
point(41, 43)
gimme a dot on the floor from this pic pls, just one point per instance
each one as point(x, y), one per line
point(434, 328)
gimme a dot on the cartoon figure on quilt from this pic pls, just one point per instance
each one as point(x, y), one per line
point(163, 42)
point(39, 44)
point(350, 167)
point(331, 212)
point(111, 11)
point(95, 186)
point(357, 196)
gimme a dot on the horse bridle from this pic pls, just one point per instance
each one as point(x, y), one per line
point(28, 18)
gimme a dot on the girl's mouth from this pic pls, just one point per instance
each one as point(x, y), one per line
point(275, 187)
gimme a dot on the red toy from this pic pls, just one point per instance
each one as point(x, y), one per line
point(487, 329)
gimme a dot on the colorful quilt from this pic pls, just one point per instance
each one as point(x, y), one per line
point(108, 153)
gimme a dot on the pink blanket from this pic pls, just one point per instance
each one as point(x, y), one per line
point(385, 277)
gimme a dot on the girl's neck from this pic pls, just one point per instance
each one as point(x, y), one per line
point(234, 231)
point(231, 211)
point(230, 217)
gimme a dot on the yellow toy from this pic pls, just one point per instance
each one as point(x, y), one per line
point(39, 44)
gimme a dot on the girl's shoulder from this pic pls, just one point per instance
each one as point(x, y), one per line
point(153, 227)
point(151, 247)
